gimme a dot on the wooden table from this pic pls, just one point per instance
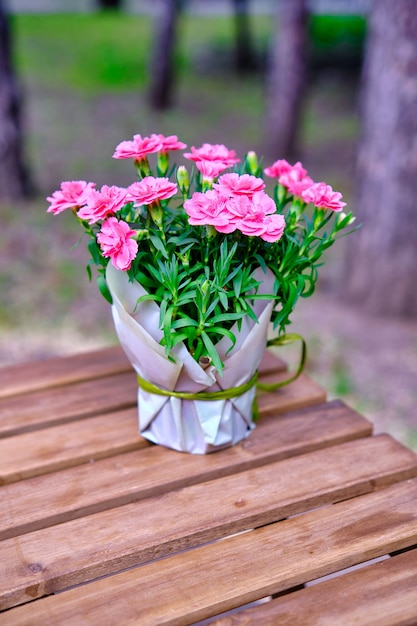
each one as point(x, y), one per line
point(98, 526)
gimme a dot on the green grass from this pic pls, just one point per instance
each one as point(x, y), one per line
point(112, 51)
point(338, 32)
point(83, 51)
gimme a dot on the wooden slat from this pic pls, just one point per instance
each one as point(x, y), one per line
point(155, 527)
point(383, 594)
point(41, 452)
point(44, 500)
point(220, 576)
point(300, 393)
point(62, 404)
point(271, 363)
point(25, 378)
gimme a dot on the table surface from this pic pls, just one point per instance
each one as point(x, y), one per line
point(98, 526)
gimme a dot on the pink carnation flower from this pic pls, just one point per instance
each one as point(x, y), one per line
point(235, 185)
point(170, 143)
point(275, 225)
point(323, 197)
point(213, 152)
point(209, 209)
point(210, 169)
point(254, 222)
point(295, 182)
point(100, 204)
point(71, 195)
point(282, 166)
point(263, 203)
point(138, 148)
point(151, 189)
point(115, 239)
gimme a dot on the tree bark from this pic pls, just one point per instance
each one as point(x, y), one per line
point(286, 78)
point(14, 180)
point(245, 60)
point(109, 4)
point(161, 88)
point(382, 272)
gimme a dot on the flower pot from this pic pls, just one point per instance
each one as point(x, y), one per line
point(184, 424)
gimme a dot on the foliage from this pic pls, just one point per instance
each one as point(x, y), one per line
point(337, 39)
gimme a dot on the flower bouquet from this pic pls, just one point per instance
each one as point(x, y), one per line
point(197, 263)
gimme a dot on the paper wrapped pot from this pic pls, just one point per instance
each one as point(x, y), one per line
point(196, 426)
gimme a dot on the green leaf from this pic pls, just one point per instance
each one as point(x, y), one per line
point(95, 251)
point(212, 352)
point(237, 284)
point(223, 299)
point(157, 242)
point(148, 296)
point(211, 307)
point(225, 317)
point(178, 337)
point(227, 333)
point(167, 328)
point(261, 261)
point(104, 290)
point(183, 322)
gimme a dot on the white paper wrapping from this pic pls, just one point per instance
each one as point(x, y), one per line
point(197, 426)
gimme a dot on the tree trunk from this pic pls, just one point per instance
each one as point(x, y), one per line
point(162, 65)
point(14, 182)
point(286, 78)
point(109, 4)
point(244, 54)
point(382, 272)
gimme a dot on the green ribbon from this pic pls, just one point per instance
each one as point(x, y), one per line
point(283, 341)
point(234, 392)
point(224, 394)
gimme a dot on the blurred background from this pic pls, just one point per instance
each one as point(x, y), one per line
point(332, 83)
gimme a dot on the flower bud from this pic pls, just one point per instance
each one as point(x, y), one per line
point(142, 167)
point(183, 179)
point(156, 212)
point(252, 162)
point(345, 220)
point(282, 193)
point(207, 184)
point(211, 232)
point(162, 163)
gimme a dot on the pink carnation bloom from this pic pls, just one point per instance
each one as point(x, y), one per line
point(170, 143)
point(210, 169)
point(235, 185)
point(282, 166)
point(295, 182)
point(71, 195)
point(254, 223)
point(115, 239)
point(213, 152)
point(100, 204)
point(323, 197)
point(263, 202)
point(240, 206)
point(260, 203)
point(209, 209)
point(151, 189)
point(138, 148)
point(275, 225)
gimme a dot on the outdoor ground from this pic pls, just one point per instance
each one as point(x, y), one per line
point(79, 108)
